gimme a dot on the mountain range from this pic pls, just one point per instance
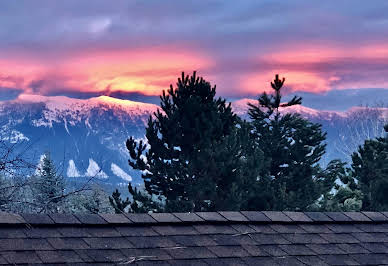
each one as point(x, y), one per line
point(86, 137)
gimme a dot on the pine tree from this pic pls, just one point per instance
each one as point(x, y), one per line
point(293, 147)
point(48, 188)
point(117, 202)
point(196, 158)
point(345, 195)
point(370, 169)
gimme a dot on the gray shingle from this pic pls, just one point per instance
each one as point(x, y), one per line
point(370, 259)
point(194, 241)
point(215, 229)
point(140, 218)
point(175, 230)
point(316, 228)
point(188, 217)
point(7, 232)
point(373, 228)
point(24, 244)
point(74, 231)
point(291, 261)
point(233, 240)
point(19, 257)
point(243, 228)
point(90, 219)
point(254, 261)
point(151, 242)
point(277, 216)
point(60, 218)
point(312, 260)
point(191, 253)
point(376, 216)
point(255, 250)
point(42, 232)
point(273, 250)
point(375, 247)
point(102, 232)
point(224, 262)
point(371, 237)
point(353, 248)
point(255, 216)
point(106, 255)
point(234, 216)
point(146, 254)
point(338, 260)
point(37, 219)
point(115, 218)
point(326, 249)
point(165, 218)
point(211, 216)
point(340, 238)
point(344, 228)
point(297, 250)
point(287, 228)
point(305, 238)
point(318, 216)
point(263, 228)
point(269, 239)
point(67, 243)
point(338, 216)
point(152, 263)
point(229, 251)
point(108, 242)
point(298, 216)
point(59, 256)
point(136, 231)
point(357, 216)
point(11, 218)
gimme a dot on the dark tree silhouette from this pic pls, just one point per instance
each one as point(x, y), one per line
point(293, 147)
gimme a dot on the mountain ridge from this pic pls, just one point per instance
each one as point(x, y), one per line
point(91, 133)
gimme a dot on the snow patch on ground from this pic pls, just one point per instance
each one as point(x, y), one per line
point(94, 170)
point(72, 170)
point(120, 172)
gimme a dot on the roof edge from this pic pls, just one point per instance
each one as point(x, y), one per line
point(14, 219)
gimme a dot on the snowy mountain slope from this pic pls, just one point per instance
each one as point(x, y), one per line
point(85, 137)
point(345, 130)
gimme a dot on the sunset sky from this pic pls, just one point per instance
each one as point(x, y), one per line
point(133, 49)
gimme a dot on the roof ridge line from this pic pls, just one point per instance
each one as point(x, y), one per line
point(222, 217)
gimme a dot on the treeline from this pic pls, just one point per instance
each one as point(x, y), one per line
point(200, 156)
point(27, 188)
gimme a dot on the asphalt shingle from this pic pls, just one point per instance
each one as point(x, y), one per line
point(255, 216)
point(237, 238)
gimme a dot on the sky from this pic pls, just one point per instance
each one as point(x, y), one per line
point(135, 49)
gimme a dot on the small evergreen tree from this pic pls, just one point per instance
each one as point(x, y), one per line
point(199, 156)
point(345, 195)
point(48, 188)
point(370, 169)
point(117, 202)
point(293, 147)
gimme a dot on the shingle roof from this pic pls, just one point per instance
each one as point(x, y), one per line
point(223, 238)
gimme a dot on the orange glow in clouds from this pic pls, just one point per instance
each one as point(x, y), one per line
point(320, 68)
point(312, 68)
point(142, 71)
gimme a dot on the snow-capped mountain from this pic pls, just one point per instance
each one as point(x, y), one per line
point(86, 137)
point(345, 130)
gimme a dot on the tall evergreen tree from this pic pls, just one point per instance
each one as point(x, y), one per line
point(198, 155)
point(48, 187)
point(370, 169)
point(293, 147)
